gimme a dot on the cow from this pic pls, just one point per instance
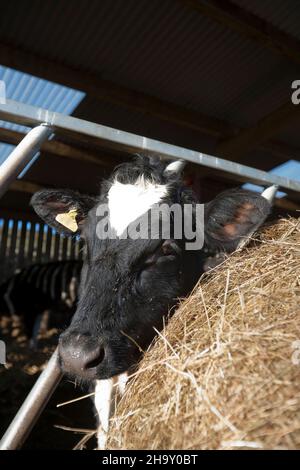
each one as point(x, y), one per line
point(35, 292)
point(128, 285)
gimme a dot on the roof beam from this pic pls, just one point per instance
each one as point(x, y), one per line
point(279, 150)
point(287, 204)
point(61, 149)
point(25, 186)
point(247, 139)
point(234, 17)
point(106, 91)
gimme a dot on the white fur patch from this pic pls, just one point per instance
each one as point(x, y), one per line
point(122, 382)
point(105, 395)
point(127, 202)
point(103, 400)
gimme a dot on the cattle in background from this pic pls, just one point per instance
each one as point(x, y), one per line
point(39, 290)
point(129, 285)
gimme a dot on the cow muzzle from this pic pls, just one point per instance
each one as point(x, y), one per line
point(80, 355)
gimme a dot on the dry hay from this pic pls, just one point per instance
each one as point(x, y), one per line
point(225, 373)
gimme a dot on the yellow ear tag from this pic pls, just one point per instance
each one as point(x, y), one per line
point(68, 220)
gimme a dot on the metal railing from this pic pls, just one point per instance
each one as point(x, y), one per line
point(113, 138)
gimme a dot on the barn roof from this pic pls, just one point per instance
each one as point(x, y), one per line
point(207, 75)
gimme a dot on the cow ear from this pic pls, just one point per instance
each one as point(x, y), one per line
point(63, 210)
point(232, 217)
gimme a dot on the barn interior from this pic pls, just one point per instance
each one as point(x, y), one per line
point(212, 76)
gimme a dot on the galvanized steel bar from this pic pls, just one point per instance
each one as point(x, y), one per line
point(21, 155)
point(80, 129)
point(33, 405)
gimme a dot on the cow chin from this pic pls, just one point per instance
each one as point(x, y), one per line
point(86, 377)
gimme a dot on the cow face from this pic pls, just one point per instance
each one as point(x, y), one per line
point(129, 285)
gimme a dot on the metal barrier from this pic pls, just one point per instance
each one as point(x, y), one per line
point(33, 406)
point(107, 136)
point(47, 123)
point(21, 155)
point(23, 243)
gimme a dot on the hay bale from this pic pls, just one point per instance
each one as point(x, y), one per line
point(225, 373)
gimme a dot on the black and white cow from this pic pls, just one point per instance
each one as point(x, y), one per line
point(38, 290)
point(129, 285)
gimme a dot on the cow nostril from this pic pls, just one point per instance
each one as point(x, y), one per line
point(80, 355)
point(96, 360)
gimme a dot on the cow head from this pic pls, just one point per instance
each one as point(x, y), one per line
point(129, 285)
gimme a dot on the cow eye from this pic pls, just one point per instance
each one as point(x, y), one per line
point(168, 251)
point(163, 261)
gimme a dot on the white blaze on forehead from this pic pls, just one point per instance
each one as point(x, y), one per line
point(127, 202)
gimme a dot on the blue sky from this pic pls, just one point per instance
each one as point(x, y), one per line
point(38, 92)
point(289, 169)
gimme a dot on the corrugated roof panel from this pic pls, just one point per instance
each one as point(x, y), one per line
point(5, 150)
point(163, 49)
point(32, 90)
point(285, 15)
point(38, 92)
